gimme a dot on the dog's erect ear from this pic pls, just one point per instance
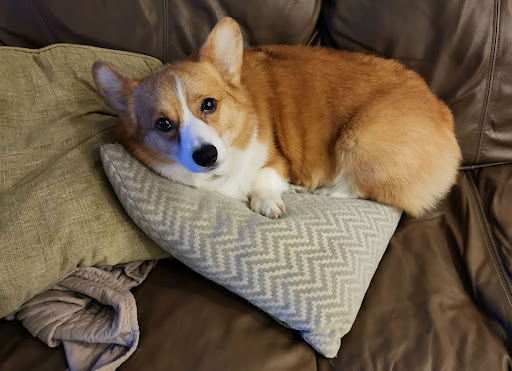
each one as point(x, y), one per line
point(224, 49)
point(115, 87)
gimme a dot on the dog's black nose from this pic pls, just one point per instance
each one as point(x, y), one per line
point(205, 156)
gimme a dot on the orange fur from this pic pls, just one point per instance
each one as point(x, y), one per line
point(322, 113)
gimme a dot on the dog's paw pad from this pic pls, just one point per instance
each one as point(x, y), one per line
point(271, 207)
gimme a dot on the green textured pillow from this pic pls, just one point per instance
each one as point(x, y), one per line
point(309, 269)
point(57, 210)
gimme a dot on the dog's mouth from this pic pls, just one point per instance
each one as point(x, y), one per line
point(208, 169)
point(197, 169)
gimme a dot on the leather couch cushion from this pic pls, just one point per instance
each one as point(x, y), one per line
point(462, 48)
point(21, 351)
point(493, 188)
point(437, 300)
point(168, 30)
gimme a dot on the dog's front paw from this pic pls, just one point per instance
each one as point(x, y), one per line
point(271, 207)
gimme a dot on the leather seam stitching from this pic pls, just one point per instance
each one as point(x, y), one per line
point(480, 166)
point(490, 78)
point(166, 30)
point(489, 242)
point(164, 25)
point(41, 22)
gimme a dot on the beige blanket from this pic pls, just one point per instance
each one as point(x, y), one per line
point(92, 312)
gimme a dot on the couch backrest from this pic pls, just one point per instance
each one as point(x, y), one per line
point(463, 48)
point(168, 29)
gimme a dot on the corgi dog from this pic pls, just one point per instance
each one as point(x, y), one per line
point(247, 122)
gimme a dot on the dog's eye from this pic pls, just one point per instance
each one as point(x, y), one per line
point(164, 124)
point(209, 105)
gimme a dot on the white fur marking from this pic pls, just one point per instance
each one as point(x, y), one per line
point(266, 193)
point(269, 181)
point(340, 188)
point(195, 133)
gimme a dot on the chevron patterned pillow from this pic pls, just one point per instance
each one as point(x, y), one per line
point(309, 269)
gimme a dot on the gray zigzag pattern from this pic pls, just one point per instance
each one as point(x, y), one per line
point(309, 269)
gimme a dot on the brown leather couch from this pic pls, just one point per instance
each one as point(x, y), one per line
point(442, 296)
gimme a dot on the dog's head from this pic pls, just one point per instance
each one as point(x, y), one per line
point(190, 111)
